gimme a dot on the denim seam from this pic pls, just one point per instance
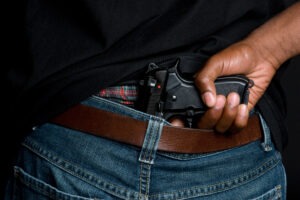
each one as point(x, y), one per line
point(224, 185)
point(197, 155)
point(285, 179)
point(148, 153)
point(145, 173)
point(79, 173)
point(267, 143)
point(275, 192)
point(228, 153)
point(45, 192)
point(155, 130)
point(146, 150)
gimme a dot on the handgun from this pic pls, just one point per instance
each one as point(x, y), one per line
point(169, 94)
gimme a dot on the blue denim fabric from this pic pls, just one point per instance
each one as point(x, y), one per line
point(60, 163)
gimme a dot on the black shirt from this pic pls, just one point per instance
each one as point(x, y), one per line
point(71, 49)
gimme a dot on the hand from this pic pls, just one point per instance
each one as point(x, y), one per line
point(258, 57)
point(225, 113)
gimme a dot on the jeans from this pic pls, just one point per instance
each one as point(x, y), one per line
point(60, 163)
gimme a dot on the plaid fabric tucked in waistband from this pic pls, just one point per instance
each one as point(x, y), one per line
point(125, 94)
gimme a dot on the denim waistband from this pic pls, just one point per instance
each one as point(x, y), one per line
point(154, 128)
point(111, 106)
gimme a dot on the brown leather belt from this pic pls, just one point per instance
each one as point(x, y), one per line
point(173, 139)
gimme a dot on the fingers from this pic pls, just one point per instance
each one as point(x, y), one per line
point(177, 122)
point(236, 59)
point(241, 118)
point(204, 81)
point(212, 116)
point(227, 115)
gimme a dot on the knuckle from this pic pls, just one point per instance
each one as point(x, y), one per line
point(202, 80)
point(240, 125)
point(221, 128)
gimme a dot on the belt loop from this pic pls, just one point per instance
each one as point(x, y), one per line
point(151, 140)
point(267, 143)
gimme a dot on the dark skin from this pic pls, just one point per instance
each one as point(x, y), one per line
point(258, 57)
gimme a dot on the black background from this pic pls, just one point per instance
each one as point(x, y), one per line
point(291, 157)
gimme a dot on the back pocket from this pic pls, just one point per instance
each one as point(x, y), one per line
point(26, 186)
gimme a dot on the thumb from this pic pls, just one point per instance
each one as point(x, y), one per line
point(226, 62)
point(205, 81)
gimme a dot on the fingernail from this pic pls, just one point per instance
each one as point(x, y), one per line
point(177, 122)
point(243, 110)
point(220, 102)
point(235, 100)
point(209, 99)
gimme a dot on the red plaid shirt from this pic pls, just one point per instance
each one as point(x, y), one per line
point(125, 94)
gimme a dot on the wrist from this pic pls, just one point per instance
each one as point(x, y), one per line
point(278, 39)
